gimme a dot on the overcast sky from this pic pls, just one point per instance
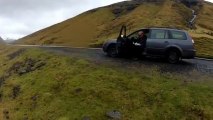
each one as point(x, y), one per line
point(19, 18)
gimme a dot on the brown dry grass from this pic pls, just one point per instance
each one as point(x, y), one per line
point(101, 24)
point(94, 27)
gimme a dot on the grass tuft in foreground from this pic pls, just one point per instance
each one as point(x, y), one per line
point(70, 88)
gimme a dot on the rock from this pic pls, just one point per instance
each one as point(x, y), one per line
point(27, 66)
point(86, 118)
point(22, 71)
point(115, 115)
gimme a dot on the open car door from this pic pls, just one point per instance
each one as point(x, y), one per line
point(123, 45)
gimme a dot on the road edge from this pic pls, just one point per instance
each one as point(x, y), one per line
point(206, 59)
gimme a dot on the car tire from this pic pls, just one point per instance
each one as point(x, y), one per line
point(112, 51)
point(173, 57)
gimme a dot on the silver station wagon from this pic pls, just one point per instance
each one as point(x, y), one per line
point(169, 43)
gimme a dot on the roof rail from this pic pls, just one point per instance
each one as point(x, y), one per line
point(177, 28)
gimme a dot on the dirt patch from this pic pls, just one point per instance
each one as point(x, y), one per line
point(21, 68)
point(6, 115)
point(78, 90)
point(25, 67)
point(16, 91)
point(2, 79)
point(199, 113)
point(16, 54)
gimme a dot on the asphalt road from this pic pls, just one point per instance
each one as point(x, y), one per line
point(96, 55)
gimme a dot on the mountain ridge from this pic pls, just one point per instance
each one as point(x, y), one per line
point(93, 27)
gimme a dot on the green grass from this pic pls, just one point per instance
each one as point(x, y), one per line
point(71, 88)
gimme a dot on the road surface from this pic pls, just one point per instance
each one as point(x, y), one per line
point(96, 55)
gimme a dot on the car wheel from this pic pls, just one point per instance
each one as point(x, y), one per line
point(173, 57)
point(112, 51)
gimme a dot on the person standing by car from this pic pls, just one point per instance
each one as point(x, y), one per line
point(142, 39)
point(140, 43)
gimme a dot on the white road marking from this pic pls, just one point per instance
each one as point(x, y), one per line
point(203, 59)
point(48, 46)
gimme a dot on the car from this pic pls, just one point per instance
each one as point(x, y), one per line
point(170, 43)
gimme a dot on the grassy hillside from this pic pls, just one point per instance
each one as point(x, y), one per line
point(204, 26)
point(203, 34)
point(205, 17)
point(92, 28)
point(95, 26)
point(204, 47)
point(38, 85)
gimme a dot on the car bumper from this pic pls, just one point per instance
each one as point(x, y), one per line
point(189, 54)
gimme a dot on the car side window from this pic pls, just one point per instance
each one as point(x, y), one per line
point(159, 34)
point(178, 35)
point(133, 35)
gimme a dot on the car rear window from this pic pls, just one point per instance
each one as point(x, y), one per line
point(178, 35)
point(159, 34)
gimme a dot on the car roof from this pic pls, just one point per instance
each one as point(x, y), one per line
point(164, 28)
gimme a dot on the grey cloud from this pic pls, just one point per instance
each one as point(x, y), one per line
point(21, 17)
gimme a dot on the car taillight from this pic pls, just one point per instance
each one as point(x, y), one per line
point(193, 41)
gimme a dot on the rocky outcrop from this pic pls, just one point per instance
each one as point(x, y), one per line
point(192, 21)
point(125, 7)
point(21, 68)
point(190, 3)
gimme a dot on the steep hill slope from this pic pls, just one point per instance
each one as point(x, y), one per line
point(1, 41)
point(204, 28)
point(93, 27)
point(205, 18)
